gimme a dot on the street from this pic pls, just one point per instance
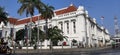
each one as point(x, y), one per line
point(117, 52)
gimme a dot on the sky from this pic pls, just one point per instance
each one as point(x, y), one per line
point(95, 8)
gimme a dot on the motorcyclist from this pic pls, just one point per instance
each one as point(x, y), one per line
point(4, 49)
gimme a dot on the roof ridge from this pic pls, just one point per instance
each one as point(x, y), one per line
point(60, 9)
point(29, 17)
point(13, 18)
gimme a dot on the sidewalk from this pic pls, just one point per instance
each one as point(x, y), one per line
point(61, 50)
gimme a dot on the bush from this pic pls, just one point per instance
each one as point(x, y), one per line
point(74, 41)
point(35, 47)
point(20, 47)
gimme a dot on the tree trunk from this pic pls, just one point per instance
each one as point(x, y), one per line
point(41, 45)
point(51, 47)
point(46, 29)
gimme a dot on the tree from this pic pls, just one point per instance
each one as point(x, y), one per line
point(74, 41)
point(29, 6)
point(20, 35)
point(3, 16)
point(47, 13)
point(55, 35)
point(34, 35)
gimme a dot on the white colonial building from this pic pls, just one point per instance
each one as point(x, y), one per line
point(74, 22)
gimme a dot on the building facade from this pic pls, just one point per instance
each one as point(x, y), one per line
point(74, 22)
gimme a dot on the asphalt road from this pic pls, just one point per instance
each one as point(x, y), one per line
point(105, 52)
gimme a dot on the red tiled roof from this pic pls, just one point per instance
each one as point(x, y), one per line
point(68, 9)
point(23, 21)
point(35, 18)
point(12, 20)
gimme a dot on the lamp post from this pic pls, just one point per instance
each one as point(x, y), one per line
point(38, 39)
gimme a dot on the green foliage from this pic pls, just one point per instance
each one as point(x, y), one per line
point(34, 37)
point(47, 12)
point(29, 6)
point(20, 35)
point(3, 16)
point(74, 41)
point(55, 35)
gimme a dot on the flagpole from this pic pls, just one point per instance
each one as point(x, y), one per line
point(102, 20)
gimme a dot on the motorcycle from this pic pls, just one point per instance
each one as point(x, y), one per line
point(4, 49)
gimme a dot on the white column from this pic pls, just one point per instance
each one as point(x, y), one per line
point(70, 43)
point(96, 35)
point(89, 35)
point(71, 28)
point(64, 28)
point(3, 32)
point(103, 35)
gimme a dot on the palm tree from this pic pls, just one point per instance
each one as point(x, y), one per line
point(35, 37)
point(29, 6)
point(19, 36)
point(34, 34)
point(3, 16)
point(21, 33)
point(55, 35)
point(47, 13)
